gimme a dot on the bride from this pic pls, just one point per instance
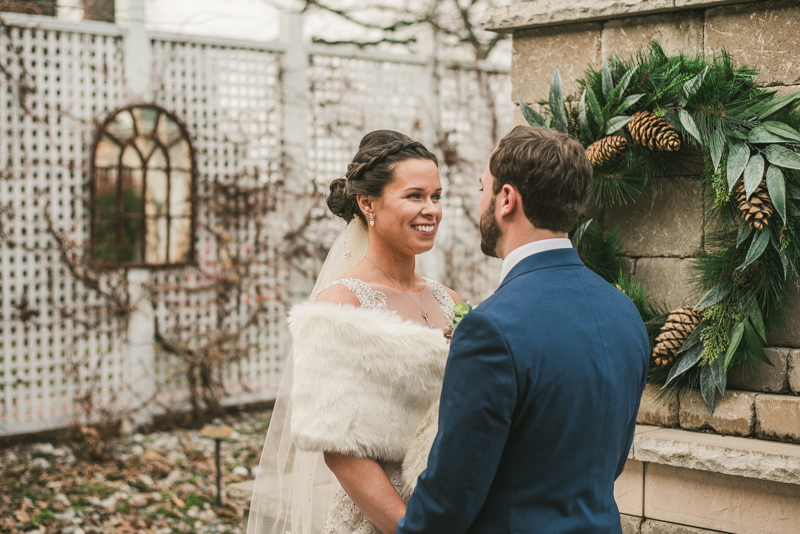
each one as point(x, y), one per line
point(361, 386)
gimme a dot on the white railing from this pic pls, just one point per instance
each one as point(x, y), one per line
point(263, 109)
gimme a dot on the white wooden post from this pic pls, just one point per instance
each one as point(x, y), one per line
point(140, 348)
point(296, 123)
point(432, 263)
point(138, 54)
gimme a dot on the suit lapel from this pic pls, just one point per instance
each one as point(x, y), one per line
point(544, 260)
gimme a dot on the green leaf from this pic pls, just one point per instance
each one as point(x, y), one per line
point(715, 146)
point(531, 115)
point(577, 237)
point(548, 122)
point(783, 157)
point(594, 106)
point(743, 233)
point(759, 134)
point(608, 82)
point(776, 185)
point(689, 125)
point(773, 106)
point(792, 191)
point(757, 247)
point(756, 319)
point(738, 135)
point(685, 362)
point(738, 156)
point(753, 174)
point(693, 339)
point(784, 130)
point(617, 123)
point(626, 80)
point(583, 120)
point(714, 296)
point(720, 376)
point(627, 103)
point(707, 387)
point(557, 104)
point(784, 260)
point(691, 86)
point(753, 343)
point(736, 337)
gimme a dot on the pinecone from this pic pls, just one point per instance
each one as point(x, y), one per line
point(606, 150)
point(680, 323)
point(758, 209)
point(652, 131)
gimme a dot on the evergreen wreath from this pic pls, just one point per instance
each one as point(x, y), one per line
point(653, 117)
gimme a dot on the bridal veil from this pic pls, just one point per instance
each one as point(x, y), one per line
point(293, 488)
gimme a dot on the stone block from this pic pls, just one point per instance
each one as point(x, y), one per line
point(763, 377)
point(733, 415)
point(793, 372)
point(536, 54)
point(677, 32)
point(700, 451)
point(783, 90)
point(519, 120)
point(631, 524)
point(778, 417)
point(665, 222)
point(556, 12)
point(660, 527)
point(787, 334)
point(765, 35)
point(629, 489)
point(723, 503)
point(652, 411)
point(667, 280)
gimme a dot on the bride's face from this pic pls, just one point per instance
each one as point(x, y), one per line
point(408, 213)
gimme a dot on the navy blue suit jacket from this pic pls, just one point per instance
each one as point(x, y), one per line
point(538, 409)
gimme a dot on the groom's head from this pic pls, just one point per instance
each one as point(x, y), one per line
point(537, 180)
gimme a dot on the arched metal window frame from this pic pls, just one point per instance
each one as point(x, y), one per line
point(101, 131)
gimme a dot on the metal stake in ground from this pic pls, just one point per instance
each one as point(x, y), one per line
point(217, 432)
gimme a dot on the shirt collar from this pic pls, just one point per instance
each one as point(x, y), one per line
point(529, 249)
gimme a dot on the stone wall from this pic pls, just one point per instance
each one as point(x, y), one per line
point(661, 232)
point(725, 472)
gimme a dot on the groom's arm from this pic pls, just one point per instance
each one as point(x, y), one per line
point(478, 399)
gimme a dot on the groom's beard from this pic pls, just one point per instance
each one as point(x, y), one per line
point(490, 232)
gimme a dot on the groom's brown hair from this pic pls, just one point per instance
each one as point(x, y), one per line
point(551, 172)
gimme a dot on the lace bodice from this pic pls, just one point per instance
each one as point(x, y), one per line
point(372, 299)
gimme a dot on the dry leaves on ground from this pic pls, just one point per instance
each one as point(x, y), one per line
point(157, 483)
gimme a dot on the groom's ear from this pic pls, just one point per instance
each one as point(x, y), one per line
point(508, 199)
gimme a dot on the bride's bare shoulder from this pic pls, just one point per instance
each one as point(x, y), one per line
point(338, 294)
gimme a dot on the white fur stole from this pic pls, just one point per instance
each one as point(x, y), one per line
point(364, 380)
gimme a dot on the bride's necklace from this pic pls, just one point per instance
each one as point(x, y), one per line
point(422, 308)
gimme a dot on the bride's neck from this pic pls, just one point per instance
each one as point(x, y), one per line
point(392, 263)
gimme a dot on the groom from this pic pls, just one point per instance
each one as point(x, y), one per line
point(543, 380)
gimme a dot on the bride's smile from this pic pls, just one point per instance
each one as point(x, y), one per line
point(409, 211)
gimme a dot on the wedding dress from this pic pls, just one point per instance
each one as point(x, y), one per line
point(363, 381)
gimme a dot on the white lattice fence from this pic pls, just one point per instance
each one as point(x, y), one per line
point(230, 98)
point(63, 348)
point(46, 127)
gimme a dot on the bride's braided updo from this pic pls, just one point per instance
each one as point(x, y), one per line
point(371, 169)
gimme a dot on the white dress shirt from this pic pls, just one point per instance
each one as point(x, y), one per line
point(520, 253)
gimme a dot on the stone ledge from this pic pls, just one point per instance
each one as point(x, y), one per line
point(541, 13)
point(744, 457)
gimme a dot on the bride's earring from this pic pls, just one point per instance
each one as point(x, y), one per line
point(371, 219)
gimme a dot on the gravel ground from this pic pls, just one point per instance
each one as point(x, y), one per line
point(156, 483)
